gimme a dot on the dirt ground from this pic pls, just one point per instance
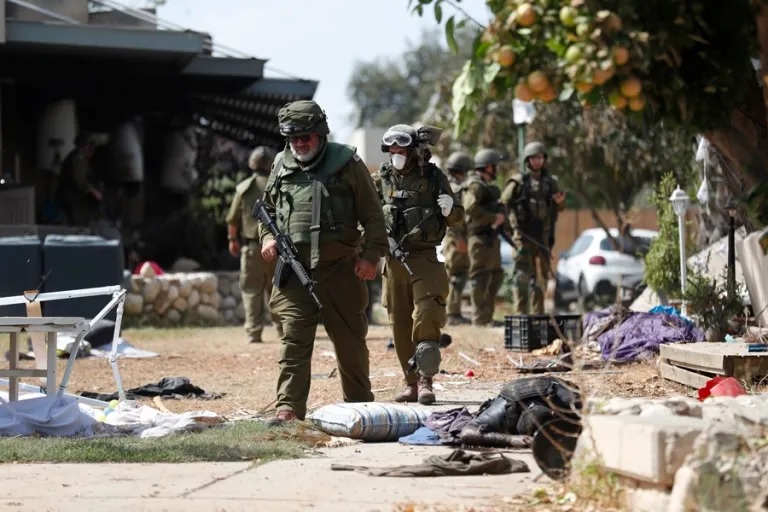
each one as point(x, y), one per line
point(220, 361)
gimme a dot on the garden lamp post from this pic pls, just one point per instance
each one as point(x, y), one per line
point(731, 207)
point(680, 202)
point(523, 113)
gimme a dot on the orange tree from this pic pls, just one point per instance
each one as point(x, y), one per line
point(687, 63)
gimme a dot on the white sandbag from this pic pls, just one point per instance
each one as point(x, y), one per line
point(369, 421)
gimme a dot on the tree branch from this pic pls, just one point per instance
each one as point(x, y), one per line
point(749, 160)
point(465, 13)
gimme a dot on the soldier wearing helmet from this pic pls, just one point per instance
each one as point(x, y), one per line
point(419, 206)
point(484, 216)
point(533, 201)
point(255, 273)
point(455, 251)
point(318, 193)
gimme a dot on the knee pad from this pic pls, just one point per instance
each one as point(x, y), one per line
point(427, 359)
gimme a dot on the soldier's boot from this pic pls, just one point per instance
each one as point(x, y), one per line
point(282, 417)
point(426, 394)
point(410, 394)
point(254, 338)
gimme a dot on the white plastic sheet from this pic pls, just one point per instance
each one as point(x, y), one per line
point(65, 417)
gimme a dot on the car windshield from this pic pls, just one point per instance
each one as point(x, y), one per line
point(633, 245)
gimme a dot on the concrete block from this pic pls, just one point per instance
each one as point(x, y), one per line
point(648, 448)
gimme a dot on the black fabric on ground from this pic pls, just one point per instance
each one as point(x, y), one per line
point(456, 463)
point(176, 387)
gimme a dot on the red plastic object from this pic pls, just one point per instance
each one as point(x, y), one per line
point(158, 270)
point(721, 386)
point(470, 373)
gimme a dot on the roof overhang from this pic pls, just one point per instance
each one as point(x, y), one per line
point(95, 39)
point(151, 71)
point(251, 115)
point(230, 67)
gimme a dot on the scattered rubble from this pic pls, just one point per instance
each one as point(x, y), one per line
point(679, 454)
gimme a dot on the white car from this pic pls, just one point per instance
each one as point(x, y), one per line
point(592, 267)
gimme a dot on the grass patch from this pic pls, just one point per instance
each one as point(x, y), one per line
point(236, 442)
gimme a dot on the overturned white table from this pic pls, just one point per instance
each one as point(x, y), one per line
point(51, 326)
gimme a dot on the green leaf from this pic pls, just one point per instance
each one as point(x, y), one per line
point(524, 31)
point(490, 73)
point(566, 93)
point(450, 37)
point(438, 13)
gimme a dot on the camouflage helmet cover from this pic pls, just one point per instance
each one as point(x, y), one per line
point(459, 161)
point(534, 148)
point(487, 157)
point(261, 158)
point(302, 118)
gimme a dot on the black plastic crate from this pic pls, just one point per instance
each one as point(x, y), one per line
point(525, 333)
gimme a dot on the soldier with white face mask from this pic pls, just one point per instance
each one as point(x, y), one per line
point(419, 206)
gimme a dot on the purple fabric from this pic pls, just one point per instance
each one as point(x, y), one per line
point(639, 336)
point(593, 316)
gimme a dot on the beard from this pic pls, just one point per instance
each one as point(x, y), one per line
point(306, 156)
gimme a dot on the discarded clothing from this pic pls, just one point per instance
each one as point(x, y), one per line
point(424, 436)
point(171, 387)
point(456, 463)
point(449, 424)
point(640, 335)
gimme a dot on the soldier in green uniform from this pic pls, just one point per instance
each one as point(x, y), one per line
point(455, 242)
point(319, 192)
point(77, 194)
point(255, 273)
point(418, 205)
point(533, 202)
point(484, 216)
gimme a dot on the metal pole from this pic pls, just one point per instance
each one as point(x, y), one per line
point(683, 263)
point(69, 294)
point(731, 256)
point(520, 147)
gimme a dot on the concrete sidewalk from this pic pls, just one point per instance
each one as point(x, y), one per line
point(290, 485)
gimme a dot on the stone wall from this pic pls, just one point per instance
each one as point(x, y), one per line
point(191, 298)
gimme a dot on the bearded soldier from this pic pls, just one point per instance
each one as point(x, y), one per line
point(318, 193)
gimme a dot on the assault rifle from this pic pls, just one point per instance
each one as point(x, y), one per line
point(397, 251)
point(288, 259)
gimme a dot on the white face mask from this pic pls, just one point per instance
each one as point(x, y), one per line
point(398, 161)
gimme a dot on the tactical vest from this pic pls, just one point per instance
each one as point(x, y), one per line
point(319, 206)
point(410, 204)
point(535, 210)
point(489, 201)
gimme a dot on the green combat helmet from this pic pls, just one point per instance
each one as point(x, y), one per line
point(302, 118)
point(459, 161)
point(261, 158)
point(534, 148)
point(487, 157)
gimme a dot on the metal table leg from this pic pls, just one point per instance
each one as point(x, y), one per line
point(13, 364)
